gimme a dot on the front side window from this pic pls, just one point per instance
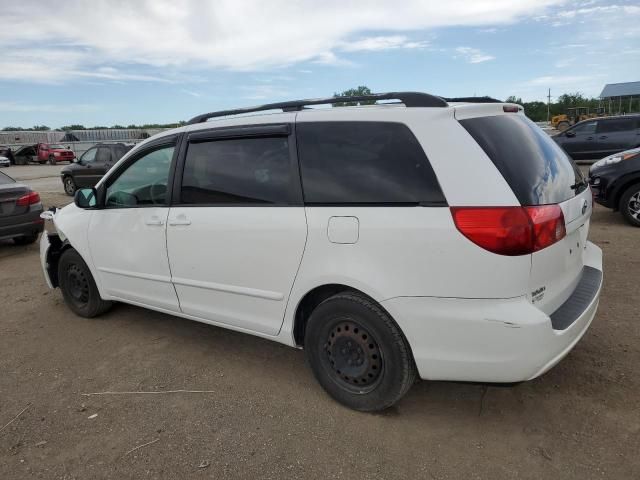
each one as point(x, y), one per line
point(144, 182)
point(238, 171)
point(88, 156)
point(364, 163)
point(585, 129)
point(616, 125)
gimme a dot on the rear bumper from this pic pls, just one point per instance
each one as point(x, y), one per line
point(490, 340)
point(22, 225)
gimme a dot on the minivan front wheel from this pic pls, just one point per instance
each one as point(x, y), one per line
point(630, 205)
point(357, 353)
point(78, 286)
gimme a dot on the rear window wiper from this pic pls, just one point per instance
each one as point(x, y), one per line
point(581, 183)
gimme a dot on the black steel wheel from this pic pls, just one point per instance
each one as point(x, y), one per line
point(358, 353)
point(78, 286)
point(353, 356)
point(52, 160)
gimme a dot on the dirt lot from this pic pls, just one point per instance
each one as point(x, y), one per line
point(267, 418)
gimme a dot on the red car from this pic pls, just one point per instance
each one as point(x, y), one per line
point(54, 153)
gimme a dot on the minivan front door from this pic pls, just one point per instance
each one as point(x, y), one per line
point(127, 237)
point(237, 230)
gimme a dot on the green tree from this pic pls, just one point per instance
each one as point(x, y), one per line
point(73, 127)
point(40, 128)
point(353, 92)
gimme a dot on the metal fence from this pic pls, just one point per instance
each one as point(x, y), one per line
point(94, 136)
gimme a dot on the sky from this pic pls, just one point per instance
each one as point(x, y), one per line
point(106, 62)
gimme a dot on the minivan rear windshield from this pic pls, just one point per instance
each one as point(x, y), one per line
point(538, 171)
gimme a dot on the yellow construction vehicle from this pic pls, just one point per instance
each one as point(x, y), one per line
point(573, 116)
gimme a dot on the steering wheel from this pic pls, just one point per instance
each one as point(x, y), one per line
point(158, 191)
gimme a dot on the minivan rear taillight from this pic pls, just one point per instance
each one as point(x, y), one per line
point(28, 199)
point(511, 230)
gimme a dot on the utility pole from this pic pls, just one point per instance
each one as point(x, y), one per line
point(549, 106)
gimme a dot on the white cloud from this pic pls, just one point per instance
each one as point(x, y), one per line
point(374, 44)
point(69, 39)
point(473, 55)
point(191, 93)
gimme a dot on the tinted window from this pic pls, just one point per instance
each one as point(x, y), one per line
point(238, 171)
point(144, 182)
point(119, 151)
point(104, 155)
point(535, 167)
point(585, 128)
point(364, 162)
point(616, 125)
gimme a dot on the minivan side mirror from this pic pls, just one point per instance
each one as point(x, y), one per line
point(570, 134)
point(86, 198)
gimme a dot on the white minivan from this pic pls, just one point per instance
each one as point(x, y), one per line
point(418, 237)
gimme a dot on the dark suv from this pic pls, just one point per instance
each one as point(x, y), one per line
point(599, 137)
point(615, 183)
point(92, 165)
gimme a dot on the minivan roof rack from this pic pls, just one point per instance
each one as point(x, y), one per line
point(409, 99)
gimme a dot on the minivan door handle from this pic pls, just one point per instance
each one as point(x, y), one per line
point(154, 220)
point(180, 220)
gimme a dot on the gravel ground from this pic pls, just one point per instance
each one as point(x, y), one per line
point(265, 417)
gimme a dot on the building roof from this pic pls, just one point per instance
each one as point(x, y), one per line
point(620, 89)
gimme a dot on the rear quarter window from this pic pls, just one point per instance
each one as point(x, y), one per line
point(364, 163)
point(538, 171)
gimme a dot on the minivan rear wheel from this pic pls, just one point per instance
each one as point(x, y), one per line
point(630, 205)
point(78, 286)
point(358, 353)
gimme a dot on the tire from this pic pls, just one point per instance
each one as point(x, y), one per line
point(358, 353)
point(69, 186)
point(27, 240)
point(42, 162)
point(562, 126)
point(78, 286)
point(630, 205)
point(52, 161)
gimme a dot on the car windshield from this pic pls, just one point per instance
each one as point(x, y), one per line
point(57, 147)
point(6, 179)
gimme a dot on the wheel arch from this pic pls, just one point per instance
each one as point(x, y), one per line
point(56, 249)
point(315, 296)
point(624, 184)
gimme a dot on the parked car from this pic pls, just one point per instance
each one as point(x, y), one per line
point(26, 154)
point(20, 210)
point(91, 166)
point(388, 241)
point(6, 153)
point(5, 162)
point(599, 137)
point(615, 182)
point(54, 153)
